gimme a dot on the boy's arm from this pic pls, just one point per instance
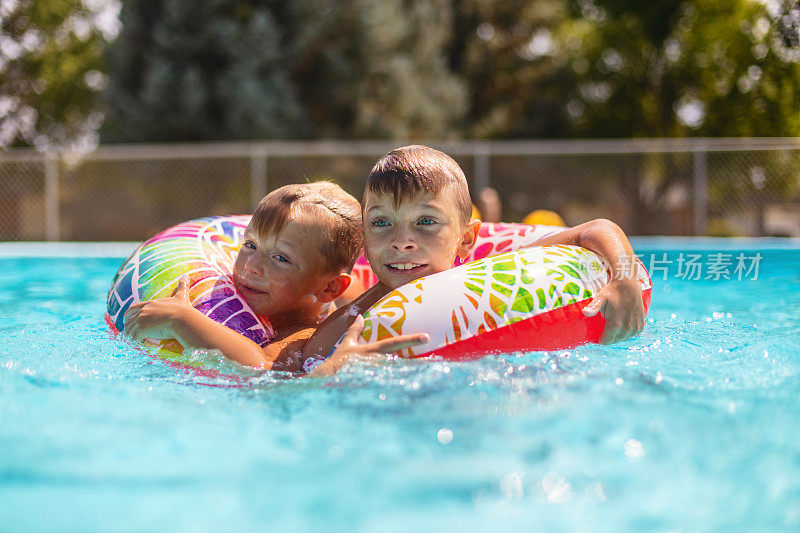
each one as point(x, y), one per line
point(349, 348)
point(175, 318)
point(620, 301)
point(336, 325)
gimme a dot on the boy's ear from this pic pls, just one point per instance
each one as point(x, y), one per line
point(334, 287)
point(469, 238)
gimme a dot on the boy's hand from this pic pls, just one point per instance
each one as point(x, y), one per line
point(155, 319)
point(620, 303)
point(349, 347)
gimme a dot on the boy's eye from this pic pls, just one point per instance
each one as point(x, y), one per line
point(249, 245)
point(425, 221)
point(380, 223)
point(281, 259)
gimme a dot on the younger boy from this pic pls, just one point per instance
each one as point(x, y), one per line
point(298, 250)
point(417, 219)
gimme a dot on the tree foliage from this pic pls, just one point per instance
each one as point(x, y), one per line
point(225, 69)
point(184, 70)
point(51, 71)
point(680, 68)
point(504, 51)
point(377, 68)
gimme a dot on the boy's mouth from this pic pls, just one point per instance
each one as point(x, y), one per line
point(247, 289)
point(405, 268)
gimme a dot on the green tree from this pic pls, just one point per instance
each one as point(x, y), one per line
point(187, 70)
point(51, 71)
point(680, 68)
point(377, 68)
point(508, 54)
point(739, 70)
point(230, 69)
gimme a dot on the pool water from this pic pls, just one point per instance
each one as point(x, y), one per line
point(693, 425)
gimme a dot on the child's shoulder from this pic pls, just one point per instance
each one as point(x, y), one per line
point(331, 330)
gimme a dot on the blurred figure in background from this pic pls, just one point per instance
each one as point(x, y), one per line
point(488, 205)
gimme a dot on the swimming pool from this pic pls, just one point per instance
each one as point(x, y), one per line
point(692, 425)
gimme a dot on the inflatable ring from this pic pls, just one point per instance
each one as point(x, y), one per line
point(204, 250)
point(526, 300)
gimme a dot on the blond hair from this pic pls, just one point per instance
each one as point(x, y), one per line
point(337, 216)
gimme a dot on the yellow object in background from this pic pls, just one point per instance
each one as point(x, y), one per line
point(475, 212)
point(543, 217)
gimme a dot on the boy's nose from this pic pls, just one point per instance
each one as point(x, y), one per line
point(254, 266)
point(405, 247)
point(403, 242)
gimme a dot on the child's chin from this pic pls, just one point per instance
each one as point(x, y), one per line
point(258, 307)
point(400, 278)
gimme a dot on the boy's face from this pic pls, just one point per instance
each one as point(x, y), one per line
point(281, 273)
point(419, 237)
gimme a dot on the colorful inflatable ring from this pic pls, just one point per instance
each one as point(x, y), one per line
point(526, 300)
point(205, 250)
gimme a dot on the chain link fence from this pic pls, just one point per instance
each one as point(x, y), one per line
point(726, 187)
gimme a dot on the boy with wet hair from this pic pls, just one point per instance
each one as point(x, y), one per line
point(298, 251)
point(417, 218)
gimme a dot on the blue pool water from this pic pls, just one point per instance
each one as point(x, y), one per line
point(694, 425)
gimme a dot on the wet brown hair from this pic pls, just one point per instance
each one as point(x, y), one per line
point(407, 171)
point(336, 215)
